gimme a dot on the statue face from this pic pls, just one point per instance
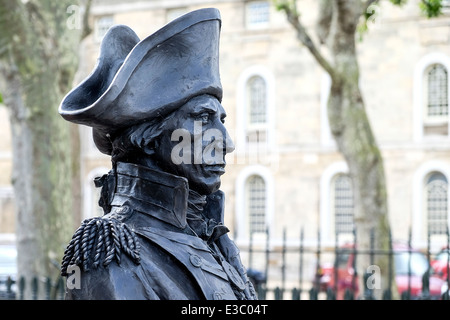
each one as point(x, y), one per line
point(194, 143)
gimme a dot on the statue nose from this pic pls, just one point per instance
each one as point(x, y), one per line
point(229, 144)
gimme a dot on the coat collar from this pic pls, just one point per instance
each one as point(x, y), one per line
point(159, 194)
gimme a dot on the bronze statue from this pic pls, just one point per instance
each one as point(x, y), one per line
point(155, 108)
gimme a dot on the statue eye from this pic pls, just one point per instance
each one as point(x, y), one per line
point(203, 117)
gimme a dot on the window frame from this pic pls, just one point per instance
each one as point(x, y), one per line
point(257, 216)
point(339, 216)
point(250, 103)
point(253, 14)
point(434, 119)
point(420, 123)
point(243, 146)
point(241, 233)
point(429, 216)
point(419, 218)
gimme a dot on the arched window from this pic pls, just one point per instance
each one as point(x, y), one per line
point(255, 119)
point(256, 204)
point(343, 204)
point(430, 203)
point(256, 88)
point(436, 193)
point(437, 91)
point(336, 204)
point(256, 107)
point(254, 200)
point(436, 106)
point(431, 97)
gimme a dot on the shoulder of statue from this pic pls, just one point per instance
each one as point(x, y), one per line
point(99, 241)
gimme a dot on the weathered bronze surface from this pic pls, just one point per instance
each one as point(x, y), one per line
point(155, 108)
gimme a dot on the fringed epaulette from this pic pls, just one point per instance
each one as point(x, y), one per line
point(100, 241)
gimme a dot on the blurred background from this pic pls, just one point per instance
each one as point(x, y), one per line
point(290, 199)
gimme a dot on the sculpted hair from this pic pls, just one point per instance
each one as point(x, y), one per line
point(139, 140)
point(131, 145)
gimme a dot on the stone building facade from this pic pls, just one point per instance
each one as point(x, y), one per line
point(286, 174)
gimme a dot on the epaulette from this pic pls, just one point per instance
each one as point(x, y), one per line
point(99, 241)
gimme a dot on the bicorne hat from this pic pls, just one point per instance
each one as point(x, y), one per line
point(135, 81)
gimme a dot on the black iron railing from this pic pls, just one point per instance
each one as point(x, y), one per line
point(335, 290)
point(50, 289)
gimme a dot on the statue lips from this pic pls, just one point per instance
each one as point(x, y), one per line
point(216, 168)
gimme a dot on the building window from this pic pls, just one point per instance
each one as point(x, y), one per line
point(437, 91)
point(257, 100)
point(436, 100)
point(255, 118)
point(254, 200)
point(102, 25)
point(256, 106)
point(343, 204)
point(257, 14)
point(437, 203)
point(256, 204)
point(431, 97)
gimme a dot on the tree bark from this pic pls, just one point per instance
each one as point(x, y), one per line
point(350, 126)
point(353, 134)
point(38, 59)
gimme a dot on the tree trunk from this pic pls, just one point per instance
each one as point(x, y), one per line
point(350, 126)
point(355, 140)
point(38, 59)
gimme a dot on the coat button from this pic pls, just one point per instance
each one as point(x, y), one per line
point(122, 210)
point(233, 275)
point(196, 260)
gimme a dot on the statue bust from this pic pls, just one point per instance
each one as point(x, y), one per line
point(155, 108)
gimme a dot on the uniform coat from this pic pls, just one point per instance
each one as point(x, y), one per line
point(147, 247)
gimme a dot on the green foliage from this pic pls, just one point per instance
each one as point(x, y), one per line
point(372, 12)
point(398, 2)
point(1, 98)
point(431, 8)
point(286, 5)
point(281, 4)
